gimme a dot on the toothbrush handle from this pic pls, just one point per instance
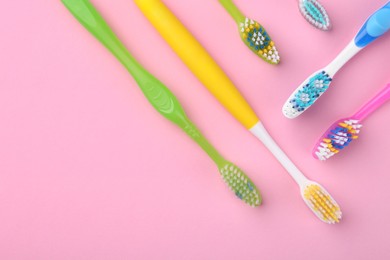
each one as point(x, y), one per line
point(373, 104)
point(375, 26)
point(90, 18)
point(232, 9)
point(158, 95)
point(197, 136)
point(198, 60)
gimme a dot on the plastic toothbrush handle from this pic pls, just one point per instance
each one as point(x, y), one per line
point(158, 95)
point(232, 9)
point(198, 60)
point(373, 104)
point(375, 26)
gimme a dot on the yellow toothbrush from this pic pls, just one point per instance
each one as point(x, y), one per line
point(212, 76)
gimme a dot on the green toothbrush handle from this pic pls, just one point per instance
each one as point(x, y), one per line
point(158, 95)
point(197, 136)
point(88, 16)
point(232, 9)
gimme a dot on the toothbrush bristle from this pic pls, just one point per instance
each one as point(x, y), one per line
point(339, 136)
point(259, 41)
point(315, 14)
point(241, 185)
point(307, 94)
point(322, 204)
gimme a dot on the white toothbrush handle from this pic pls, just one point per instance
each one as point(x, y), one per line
point(375, 26)
point(345, 55)
point(262, 134)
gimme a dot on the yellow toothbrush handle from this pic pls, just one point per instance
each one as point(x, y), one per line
point(198, 60)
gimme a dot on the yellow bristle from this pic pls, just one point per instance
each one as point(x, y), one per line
point(327, 140)
point(355, 137)
point(271, 43)
point(247, 30)
point(260, 52)
point(322, 203)
point(343, 125)
point(251, 27)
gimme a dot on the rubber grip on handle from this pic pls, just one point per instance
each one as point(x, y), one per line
point(198, 60)
point(375, 26)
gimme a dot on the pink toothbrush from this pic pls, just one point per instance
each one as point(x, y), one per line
point(344, 131)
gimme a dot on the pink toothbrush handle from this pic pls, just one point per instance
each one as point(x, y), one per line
point(374, 104)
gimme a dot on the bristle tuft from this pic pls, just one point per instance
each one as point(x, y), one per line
point(337, 138)
point(322, 204)
point(315, 14)
point(259, 41)
point(241, 185)
point(307, 94)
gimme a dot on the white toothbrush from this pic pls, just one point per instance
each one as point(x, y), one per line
point(315, 196)
point(316, 85)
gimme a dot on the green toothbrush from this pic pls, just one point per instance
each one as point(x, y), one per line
point(253, 34)
point(162, 98)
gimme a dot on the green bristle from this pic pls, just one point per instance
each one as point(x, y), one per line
point(241, 185)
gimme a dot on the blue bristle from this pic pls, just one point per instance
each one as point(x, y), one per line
point(311, 92)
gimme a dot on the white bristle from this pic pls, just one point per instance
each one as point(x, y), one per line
point(340, 138)
point(240, 184)
point(290, 108)
point(311, 19)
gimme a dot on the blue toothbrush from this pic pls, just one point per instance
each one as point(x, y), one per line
point(316, 85)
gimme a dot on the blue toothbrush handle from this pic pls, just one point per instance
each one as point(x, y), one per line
point(375, 26)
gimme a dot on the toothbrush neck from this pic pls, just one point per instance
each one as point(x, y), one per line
point(381, 98)
point(262, 134)
point(345, 55)
point(197, 136)
point(232, 10)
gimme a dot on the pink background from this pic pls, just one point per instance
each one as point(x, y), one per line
point(88, 170)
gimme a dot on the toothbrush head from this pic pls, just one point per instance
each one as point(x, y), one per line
point(259, 41)
point(241, 185)
point(306, 94)
point(321, 203)
point(315, 14)
point(336, 138)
